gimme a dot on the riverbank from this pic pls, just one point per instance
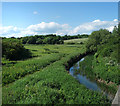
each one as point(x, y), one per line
point(83, 73)
point(74, 59)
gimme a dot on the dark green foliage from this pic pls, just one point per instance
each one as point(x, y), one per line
point(96, 38)
point(49, 39)
point(14, 50)
point(107, 56)
point(24, 40)
point(32, 40)
point(67, 37)
point(39, 41)
point(42, 39)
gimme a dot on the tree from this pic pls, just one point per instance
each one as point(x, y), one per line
point(39, 41)
point(14, 50)
point(96, 38)
point(32, 40)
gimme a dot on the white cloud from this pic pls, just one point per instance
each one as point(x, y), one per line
point(35, 12)
point(94, 25)
point(115, 20)
point(96, 21)
point(9, 31)
point(51, 27)
point(56, 28)
point(110, 28)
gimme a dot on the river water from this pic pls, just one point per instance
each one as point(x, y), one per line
point(83, 79)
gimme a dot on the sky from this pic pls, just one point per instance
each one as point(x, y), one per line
point(36, 18)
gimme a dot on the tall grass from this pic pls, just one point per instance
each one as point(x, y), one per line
point(43, 56)
point(44, 79)
point(52, 85)
point(10, 74)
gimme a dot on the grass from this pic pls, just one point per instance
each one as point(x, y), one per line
point(51, 85)
point(12, 73)
point(87, 67)
point(75, 41)
point(43, 56)
point(43, 79)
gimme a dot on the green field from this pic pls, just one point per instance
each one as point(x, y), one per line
point(43, 79)
point(75, 41)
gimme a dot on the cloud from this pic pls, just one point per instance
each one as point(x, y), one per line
point(9, 31)
point(96, 21)
point(115, 20)
point(56, 28)
point(41, 28)
point(51, 27)
point(94, 25)
point(35, 12)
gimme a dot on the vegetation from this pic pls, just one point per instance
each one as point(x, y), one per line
point(14, 50)
point(105, 63)
point(87, 69)
point(76, 41)
point(47, 39)
point(50, 84)
point(43, 79)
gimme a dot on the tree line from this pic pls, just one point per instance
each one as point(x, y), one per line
point(47, 39)
point(13, 48)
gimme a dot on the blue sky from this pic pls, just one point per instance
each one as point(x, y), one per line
point(29, 18)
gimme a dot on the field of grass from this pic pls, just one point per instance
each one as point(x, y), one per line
point(43, 56)
point(75, 41)
point(43, 79)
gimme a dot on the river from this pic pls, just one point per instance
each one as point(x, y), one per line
point(90, 84)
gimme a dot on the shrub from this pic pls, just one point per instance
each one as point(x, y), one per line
point(14, 50)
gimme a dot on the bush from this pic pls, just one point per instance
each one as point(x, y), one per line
point(14, 50)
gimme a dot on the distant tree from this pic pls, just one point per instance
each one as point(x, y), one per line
point(39, 41)
point(32, 40)
point(13, 37)
point(47, 40)
point(24, 40)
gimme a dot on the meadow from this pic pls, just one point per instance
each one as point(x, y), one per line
point(43, 79)
point(76, 41)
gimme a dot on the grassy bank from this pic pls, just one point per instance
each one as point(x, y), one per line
point(88, 68)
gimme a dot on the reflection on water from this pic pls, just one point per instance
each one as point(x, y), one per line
point(83, 79)
point(93, 85)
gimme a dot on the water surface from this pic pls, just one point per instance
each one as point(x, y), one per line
point(82, 78)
